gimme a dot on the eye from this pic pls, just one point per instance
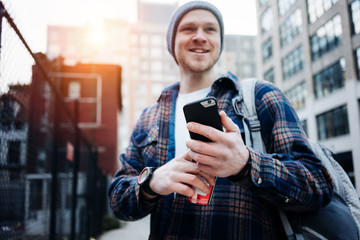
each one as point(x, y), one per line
point(212, 29)
point(188, 29)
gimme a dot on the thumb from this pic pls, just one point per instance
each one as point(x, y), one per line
point(228, 124)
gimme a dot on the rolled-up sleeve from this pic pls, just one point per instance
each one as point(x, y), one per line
point(124, 191)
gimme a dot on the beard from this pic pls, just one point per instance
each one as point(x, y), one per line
point(197, 66)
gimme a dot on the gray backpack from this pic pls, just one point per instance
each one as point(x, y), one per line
point(340, 219)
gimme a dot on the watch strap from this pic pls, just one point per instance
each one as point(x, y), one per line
point(145, 186)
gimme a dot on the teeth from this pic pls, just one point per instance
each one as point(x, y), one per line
point(199, 51)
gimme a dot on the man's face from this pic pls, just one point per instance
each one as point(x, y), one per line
point(197, 41)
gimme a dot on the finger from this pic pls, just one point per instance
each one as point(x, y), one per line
point(211, 171)
point(187, 156)
point(191, 156)
point(184, 189)
point(196, 181)
point(201, 158)
point(204, 130)
point(228, 124)
point(204, 148)
point(208, 178)
point(190, 166)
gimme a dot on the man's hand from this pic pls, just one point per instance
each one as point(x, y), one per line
point(180, 175)
point(223, 157)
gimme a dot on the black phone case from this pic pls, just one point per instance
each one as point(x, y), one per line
point(204, 111)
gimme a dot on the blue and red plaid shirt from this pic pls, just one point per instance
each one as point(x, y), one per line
point(289, 176)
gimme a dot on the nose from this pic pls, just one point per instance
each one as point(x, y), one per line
point(199, 36)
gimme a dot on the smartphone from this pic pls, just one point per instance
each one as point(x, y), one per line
point(204, 111)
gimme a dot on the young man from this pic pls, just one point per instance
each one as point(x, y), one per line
point(250, 185)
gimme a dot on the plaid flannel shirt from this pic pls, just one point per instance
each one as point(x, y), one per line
point(289, 176)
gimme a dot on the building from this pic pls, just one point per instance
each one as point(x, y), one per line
point(13, 148)
point(238, 56)
point(151, 67)
point(310, 49)
point(97, 90)
point(84, 95)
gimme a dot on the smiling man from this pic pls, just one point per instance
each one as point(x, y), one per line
point(197, 42)
point(162, 166)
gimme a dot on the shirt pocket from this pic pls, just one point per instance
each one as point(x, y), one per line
point(146, 142)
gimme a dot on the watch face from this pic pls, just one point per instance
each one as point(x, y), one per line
point(143, 175)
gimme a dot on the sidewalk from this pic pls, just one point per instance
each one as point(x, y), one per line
point(138, 230)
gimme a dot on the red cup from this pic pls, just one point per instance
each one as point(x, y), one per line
point(201, 197)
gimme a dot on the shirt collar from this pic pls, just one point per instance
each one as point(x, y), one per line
point(227, 78)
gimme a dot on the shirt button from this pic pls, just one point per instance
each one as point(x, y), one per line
point(287, 200)
point(259, 181)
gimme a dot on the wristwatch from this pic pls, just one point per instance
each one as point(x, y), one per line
point(144, 180)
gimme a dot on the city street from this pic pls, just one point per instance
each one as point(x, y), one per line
point(138, 230)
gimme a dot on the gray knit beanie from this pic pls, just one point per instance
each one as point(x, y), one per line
point(181, 11)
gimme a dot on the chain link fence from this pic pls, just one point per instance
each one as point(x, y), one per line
point(50, 184)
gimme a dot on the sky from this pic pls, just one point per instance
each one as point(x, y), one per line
point(33, 16)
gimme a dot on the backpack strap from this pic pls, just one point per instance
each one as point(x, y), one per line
point(244, 105)
point(287, 227)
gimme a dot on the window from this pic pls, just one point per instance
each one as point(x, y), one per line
point(247, 44)
point(144, 52)
point(345, 159)
point(285, 5)
point(326, 38)
point(330, 79)
point(9, 110)
point(156, 66)
point(269, 75)
point(357, 57)
point(247, 69)
point(134, 39)
point(297, 95)
point(74, 90)
point(304, 126)
point(155, 52)
point(156, 40)
point(333, 123)
point(36, 193)
point(267, 49)
point(317, 8)
point(134, 61)
point(291, 28)
point(355, 16)
point(266, 20)
point(54, 50)
point(263, 2)
point(292, 63)
point(14, 153)
point(54, 36)
point(70, 50)
point(144, 66)
point(144, 39)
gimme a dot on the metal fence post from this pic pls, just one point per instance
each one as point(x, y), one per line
point(54, 174)
point(75, 171)
point(91, 193)
point(1, 18)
